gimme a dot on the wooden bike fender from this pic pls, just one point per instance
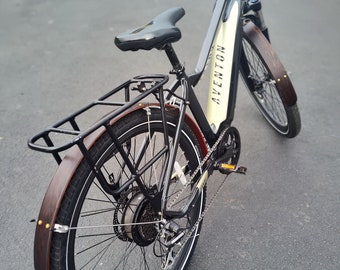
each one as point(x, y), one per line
point(279, 74)
point(61, 180)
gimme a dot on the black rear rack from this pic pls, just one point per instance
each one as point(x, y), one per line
point(47, 141)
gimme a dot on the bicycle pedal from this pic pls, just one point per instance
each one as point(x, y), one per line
point(241, 170)
point(226, 168)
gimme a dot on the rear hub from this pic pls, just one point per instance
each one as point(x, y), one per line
point(138, 210)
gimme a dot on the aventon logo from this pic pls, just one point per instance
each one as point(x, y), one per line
point(217, 81)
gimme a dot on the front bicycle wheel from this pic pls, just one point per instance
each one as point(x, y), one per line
point(123, 231)
point(268, 83)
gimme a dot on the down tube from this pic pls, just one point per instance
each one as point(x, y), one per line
point(224, 68)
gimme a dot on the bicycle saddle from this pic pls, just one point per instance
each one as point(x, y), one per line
point(156, 34)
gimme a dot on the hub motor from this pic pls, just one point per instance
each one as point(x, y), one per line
point(138, 210)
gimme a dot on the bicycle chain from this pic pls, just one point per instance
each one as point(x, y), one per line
point(187, 236)
point(199, 167)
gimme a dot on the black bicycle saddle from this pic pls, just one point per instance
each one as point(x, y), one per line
point(156, 34)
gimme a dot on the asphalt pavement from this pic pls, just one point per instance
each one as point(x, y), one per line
point(56, 56)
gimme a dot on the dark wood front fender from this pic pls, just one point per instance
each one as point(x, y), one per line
point(278, 72)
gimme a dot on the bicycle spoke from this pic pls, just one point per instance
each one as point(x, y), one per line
point(125, 256)
point(94, 245)
point(101, 253)
point(96, 212)
point(104, 193)
point(95, 235)
point(144, 260)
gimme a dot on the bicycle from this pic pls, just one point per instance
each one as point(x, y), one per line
point(131, 188)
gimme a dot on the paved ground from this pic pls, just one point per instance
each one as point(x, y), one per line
point(58, 55)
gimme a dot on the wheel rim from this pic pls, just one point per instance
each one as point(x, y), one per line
point(97, 208)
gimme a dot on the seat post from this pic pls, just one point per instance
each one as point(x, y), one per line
point(170, 52)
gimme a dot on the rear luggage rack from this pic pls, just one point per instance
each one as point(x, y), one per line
point(69, 128)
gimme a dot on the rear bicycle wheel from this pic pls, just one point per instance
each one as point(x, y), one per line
point(103, 236)
point(268, 83)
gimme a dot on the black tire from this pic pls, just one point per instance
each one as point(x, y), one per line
point(258, 62)
point(85, 203)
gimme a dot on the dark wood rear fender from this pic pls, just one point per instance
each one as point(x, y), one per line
point(52, 201)
point(283, 83)
point(61, 180)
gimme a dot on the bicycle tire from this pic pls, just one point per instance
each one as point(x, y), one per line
point(84, 192)
point(268, 82)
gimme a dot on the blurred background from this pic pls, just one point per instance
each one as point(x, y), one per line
point(56, 56)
